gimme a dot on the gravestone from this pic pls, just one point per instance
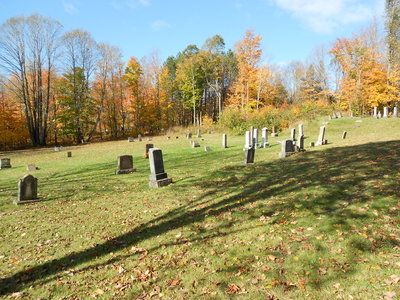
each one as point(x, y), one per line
point(209, 132)
point(375, 112)
point(195, 144)
point(379, 115)
point(287, 148)
point(340, 114)
point(146, 152)
point(334, 116)
point(149, 139)
point(251, 135)
point(264, 137)
point(312, 144)
point(69, 154)
point(300, 144)
point(5, 163)
point(198, 133)
point(31, 167)
point(385, 112)
point(274, 131)
point(395, 113)
point(301, 132)
point(130, 139)
point(330, 117)
point(168, 137)
point(247, 144)
point(158, 177)
point(27, 190)
point(125, 165)
point(139, 137)
point(344, 135)
point(321, 136)
point(255, 138)
point(61, 147)
point(224, 141)
point(293, 134)
point(189, 135)
point(248, 156)
point(56, 149)
point(207, 149)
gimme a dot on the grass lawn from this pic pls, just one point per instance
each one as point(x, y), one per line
point(323, 224)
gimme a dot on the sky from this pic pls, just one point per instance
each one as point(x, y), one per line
point(290, 29)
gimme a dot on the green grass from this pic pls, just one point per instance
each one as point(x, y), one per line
point(323, 224)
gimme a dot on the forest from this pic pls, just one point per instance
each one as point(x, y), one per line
point(64, 87)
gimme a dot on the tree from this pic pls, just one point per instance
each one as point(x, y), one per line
point(28, 47)
point(392, 9)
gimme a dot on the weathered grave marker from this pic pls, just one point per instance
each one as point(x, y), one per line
point(375, 112)
point(69, 154)
point(344, 135)
point(321, 136)
point(274, 131)
point(395, 113)
point(139, 137)
point(125, 165)
point(158, 177)
point(247, 144)
point(130, 139)
point(293, 134)
point(31, 167)
point(27, 190)
point(195, 144)
point(5, 163)
point(287, 148)
point(198, 133)
point(248, 156)
point(207, 149)
point(56, 149)
point(224, 141)
point(300, 143)
point(264, 137)
point(301, 132)
point(385, 112)
point(255, 138)
point(146, 152)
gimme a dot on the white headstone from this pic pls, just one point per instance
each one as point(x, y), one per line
point(255, 137)
point(385, 112)
point(301, 130)
point(395, 112)
point(247, 144)
point(375, 112)
point(264, 138)
point(293, 134)
point(224, 141)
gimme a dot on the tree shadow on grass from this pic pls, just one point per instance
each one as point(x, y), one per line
point(318, 183)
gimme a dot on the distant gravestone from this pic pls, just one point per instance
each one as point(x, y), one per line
point(224, 141)
point(195, 144)
point(198, 133)
point(344, 135)
point(69, 154)
point(139, 137)
point(56, 149)
point(385, 112)
point(5, 163)
point(321, 136)
point(251, 136)
point(146, 152)
point(330, 117)
point(31, 167)
point(395, 112)
point(274, 131)
point(158, 177)
point(379, 115)
point(168, 137)
point(27, 190)
point(293, 134)
point(248, 156)
point(149, 139)
point(207, 149)
point(300, 143)
point(287, 149)
point(247, 144)
point(255, 138)
point(130, 139)
point(209, 132)
point(264, 138)
point(312, 144)
point(375, 112)
point(334, 116)
point(125, 165)
point(340, 114)
point(301, 132)
point(189, 135)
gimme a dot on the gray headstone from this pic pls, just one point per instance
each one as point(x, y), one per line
point(344, 135)
point(321, 136)
point(69, 154)
point(149, 139)
point(148, 147)
point(300, 143)
point(375, 112)
point(293, 134)
point(312, 144)
point(301, 132)
point(189, 135)
point(224, 141)
point(287, 148)
point(249, 156)
point(264, 138)
point(31, 167)
point(395, 112)
point(385, 112)
point(379, 115)
point(274, 131)
point(198, 133)
point(5, 163)
point(251, 135)
point(194, 144)
point(247, 144)
point(207, 149)
point(56, 149)
point(125, 165)
point(158, 177)
point(130, 139)
point(139, 137)
point(209, 132)
point(27, 190)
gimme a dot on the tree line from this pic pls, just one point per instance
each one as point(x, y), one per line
point(59, 87)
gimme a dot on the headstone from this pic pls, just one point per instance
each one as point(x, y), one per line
point(321, 136)
point(130, 139)
point(146, 152)
point(379, 115)
point(255, 138)
point(395, 113)
point(334, 116)
point(274, 131)
point(301, 132)
point(27, 190)
point(149, 139)
point(249, 156)
point(168, 137)
point(209, 132)
point(194, 144)
point(139, 137)
point(344, 135)
point(56, 149)
point(251, 136)
point(247, 144)
point(312, 144)
point(61, 147)
point(293, 134)
point(207, 149)
point(198, 133)
point(287, 149)
point(158, 177)
point(5, 163)
point(300, 143)
point(385, 112)
point(69, 154)
point(330, 118)
point(340, 114)
point(224, 141)
point(264, 138)
point(31, 167)
point(125, 165)
point(189, 135)
point(375, 112)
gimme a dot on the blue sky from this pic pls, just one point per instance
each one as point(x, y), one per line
point(290, 29)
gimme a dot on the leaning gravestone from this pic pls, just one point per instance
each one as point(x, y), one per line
point(293, 134)
point(287, 148)
point(264, 138)
point(395, 112)
point(31, 167)
point(321, 137)
point(224, 141)
point(207, 149)
point(5, 163)
point(148, 147)
point(125, 165)
point(344, 135)
point(130, 139)
point(248, 156)
point(27, 190)
point(158, 177)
